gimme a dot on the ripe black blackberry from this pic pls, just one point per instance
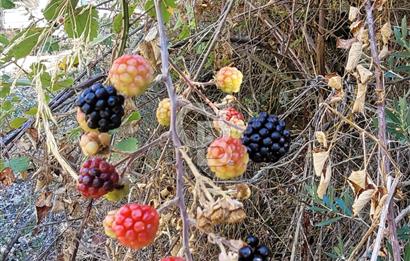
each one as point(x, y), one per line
point(102, 106)
point(253, 251)
point(266, 138)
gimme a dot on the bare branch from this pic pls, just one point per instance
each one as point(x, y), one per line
point(173, 131)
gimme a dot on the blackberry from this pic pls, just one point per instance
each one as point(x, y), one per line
point(102, 106)
point(253, 251)
point(266, 138)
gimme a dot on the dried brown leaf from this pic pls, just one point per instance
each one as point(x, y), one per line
point(321, 138)
point(364, 73)
point(358, 180)
point(43, 206)
point(322, 167)
point(7, 177)
point(384, 53)
point(355, 54)
point(386, 33)
point(359, 103)
point(362, 199)
point(335, 82)
point(353, 12)
point(345, 43)
point(356, 26)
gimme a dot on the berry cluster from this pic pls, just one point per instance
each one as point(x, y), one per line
point(135, 225)
point(131, 74)
point(100, 107)
point(229, 79)
point(92, 143)
point(233, 116)
point(164, 112)
point(266, 138)
point(97, 178)
point(253, 251)
point(227, 157)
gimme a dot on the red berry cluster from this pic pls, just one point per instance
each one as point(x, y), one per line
point(97, 178)
point(135, 225)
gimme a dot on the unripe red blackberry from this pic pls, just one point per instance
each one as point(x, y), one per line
point(97, 178)
point(131, 74)
point(229, 79)
point(136, 225)
point(164, 112)
point(100, 107)
point(266, 138)
point(227, 157)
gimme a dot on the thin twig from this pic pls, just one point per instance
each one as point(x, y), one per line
point(173, 131)
point(402, 214)
point(80, 232)
point(125, 29)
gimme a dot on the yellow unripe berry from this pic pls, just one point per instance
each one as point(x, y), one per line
point(229, 79)
point(164, 112)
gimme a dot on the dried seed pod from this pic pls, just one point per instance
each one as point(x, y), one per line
point(242, 192)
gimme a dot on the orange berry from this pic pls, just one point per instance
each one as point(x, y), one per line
point(108, 222)
point(227, 157)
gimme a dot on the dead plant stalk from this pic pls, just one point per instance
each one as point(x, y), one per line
point(384, 163)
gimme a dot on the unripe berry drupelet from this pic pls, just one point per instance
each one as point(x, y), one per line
point(92, 143)
point(164, 112)
point(131, 74)
point(227, 157)
point(136, 225)
point(229, 79)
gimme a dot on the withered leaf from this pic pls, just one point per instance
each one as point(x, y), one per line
point(7, 177)
point(353, 12)
point(364, 73)
point(355, 54)
point(359, 103)
point(362, 199)
point(345, 43)
point(386, 33)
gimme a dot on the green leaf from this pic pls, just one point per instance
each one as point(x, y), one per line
point(317, 209)
point(4, 91)
point(84, 23)
point(134, 116)
point(328, 222)
point(407, 251)
point(62, 84)
point(17, 122)
point(166, 6)
point(7, 4)
point(32, 111)
point(3, 39)
point(117, 23)
point(128, 145)
point(6, 106)
point(75, 133)
point(24, 43)
point(56, 8)
point(2, 165)
point(18, 165)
